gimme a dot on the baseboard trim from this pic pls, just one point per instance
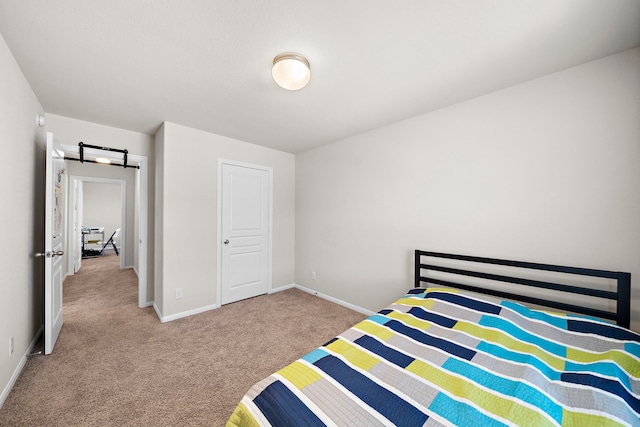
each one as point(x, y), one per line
point(282, 288)
point(19, 368)
point(335, 300)
point(165, 319)
point(157, 310)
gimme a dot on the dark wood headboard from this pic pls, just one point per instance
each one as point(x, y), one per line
point(622, 295)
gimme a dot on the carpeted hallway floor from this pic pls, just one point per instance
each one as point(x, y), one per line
point(115, 364)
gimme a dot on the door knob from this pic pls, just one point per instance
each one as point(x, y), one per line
point(226, 242)
point(49, 254)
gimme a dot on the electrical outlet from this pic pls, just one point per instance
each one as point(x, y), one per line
point(11, 345)
point(178, 293)
point(313, 275)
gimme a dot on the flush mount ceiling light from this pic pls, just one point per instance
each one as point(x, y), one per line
point(291, 71)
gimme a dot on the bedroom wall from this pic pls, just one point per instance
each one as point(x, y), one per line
point(188, 207)
point(71, 131)
point(544, 171)
point(21, 192)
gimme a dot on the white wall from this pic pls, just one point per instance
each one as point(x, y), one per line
point(187, 205)
point(72, 131)
point(544, 171)
point(102, 207)
point(22, 217)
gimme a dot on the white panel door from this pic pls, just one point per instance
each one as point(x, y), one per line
point(245, 233)
point(53, 243)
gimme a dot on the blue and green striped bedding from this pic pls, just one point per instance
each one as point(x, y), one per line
point(444, 357)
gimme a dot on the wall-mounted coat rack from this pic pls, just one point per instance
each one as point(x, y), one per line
point(82, 146)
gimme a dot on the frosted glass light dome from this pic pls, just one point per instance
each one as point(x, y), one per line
point(291, 71)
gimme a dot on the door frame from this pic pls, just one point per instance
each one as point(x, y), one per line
point(219, 243)
point(142, 161)
point(123, 215)
point(75, 204)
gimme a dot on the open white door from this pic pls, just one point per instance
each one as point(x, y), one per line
point(53, 241)
point(245, 230)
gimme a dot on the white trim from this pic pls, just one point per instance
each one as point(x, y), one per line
point(164, 319)
point(269, 170)
point(142, 229)
point(282, 288)
point(71, 203)
point(19, 368)
point(144, 216)
point(336, 300)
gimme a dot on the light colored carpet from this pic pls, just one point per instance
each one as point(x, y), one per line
point(116, 364)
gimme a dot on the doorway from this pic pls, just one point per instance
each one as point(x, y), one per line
point(99, 204)
point(245, 224)
point(137, 195)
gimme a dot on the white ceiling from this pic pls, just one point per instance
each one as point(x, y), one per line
point(206, 64)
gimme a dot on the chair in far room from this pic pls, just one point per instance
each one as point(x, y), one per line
point(112, 241)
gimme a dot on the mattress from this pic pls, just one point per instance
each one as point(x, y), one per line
point(446, 357)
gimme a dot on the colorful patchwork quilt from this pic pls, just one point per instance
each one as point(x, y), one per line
point(444, 357)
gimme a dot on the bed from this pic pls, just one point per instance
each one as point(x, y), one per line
point(444, 354)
